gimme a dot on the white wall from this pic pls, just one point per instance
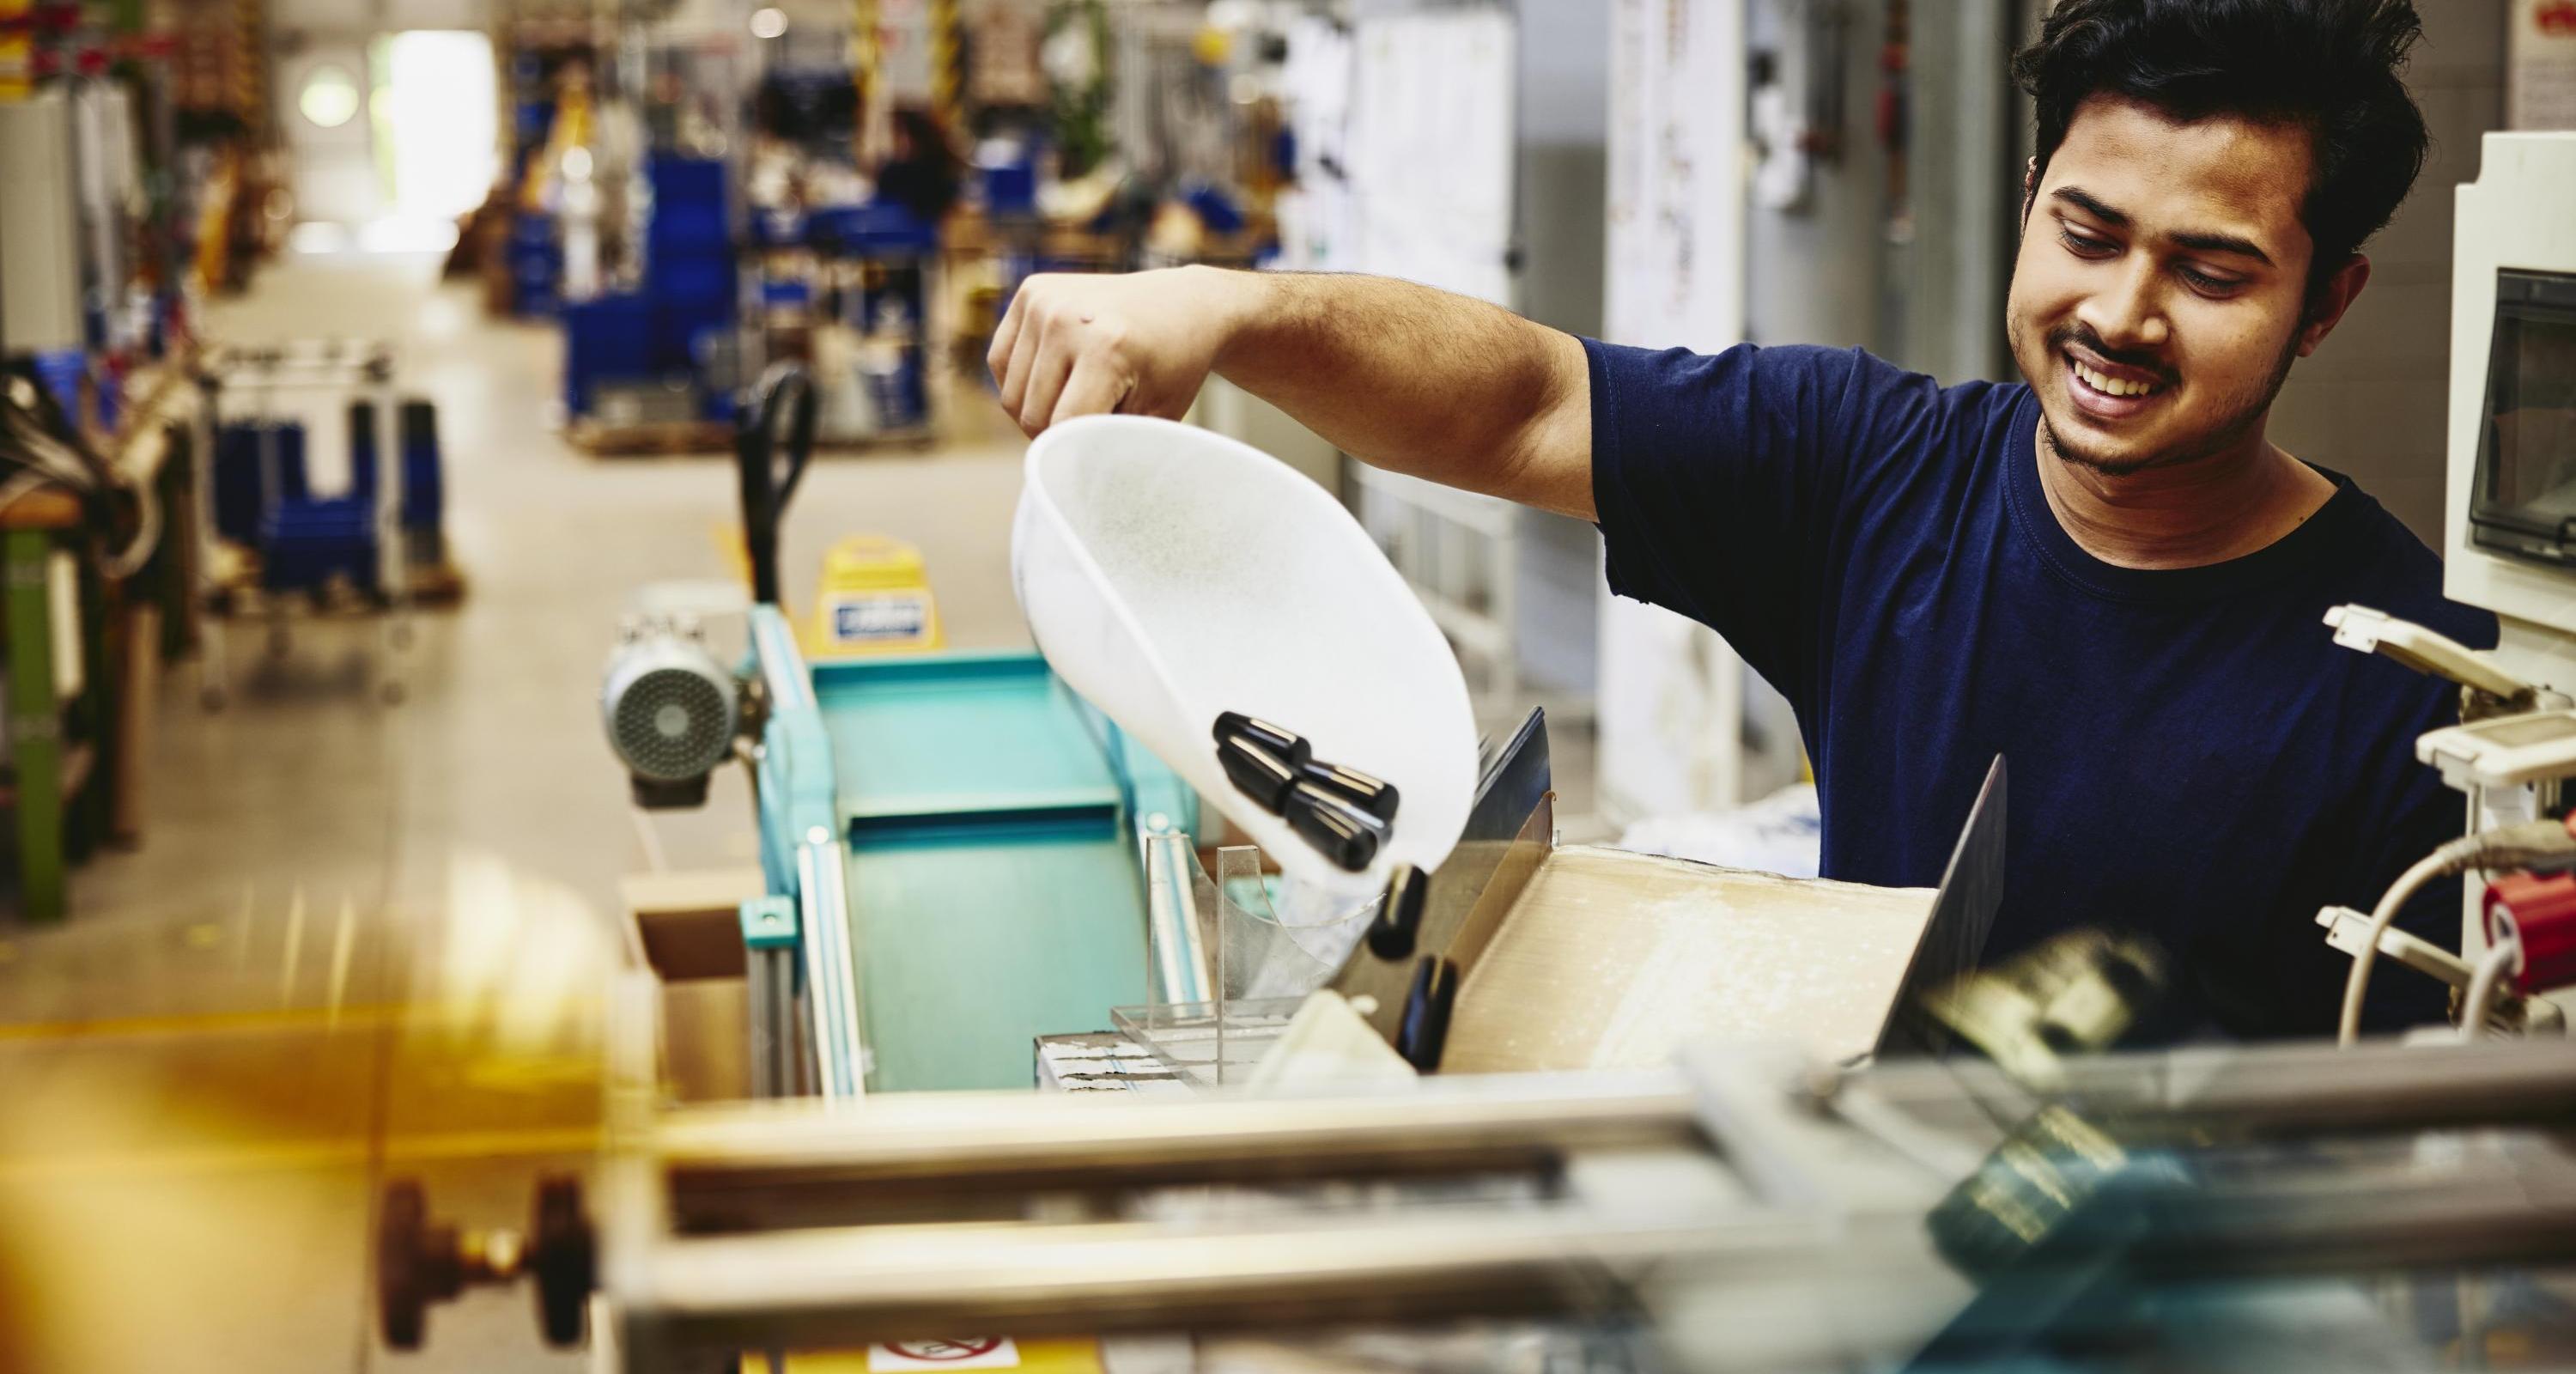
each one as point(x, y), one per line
point(2372, 402)
point(371, 17)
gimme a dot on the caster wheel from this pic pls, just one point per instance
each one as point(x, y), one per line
point(415, 1265)
point(392, 692)
point(561, 1250)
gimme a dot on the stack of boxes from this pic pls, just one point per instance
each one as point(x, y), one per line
point(689, 276)
point(674, 336)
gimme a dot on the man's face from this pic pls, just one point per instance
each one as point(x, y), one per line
point(2160, 292)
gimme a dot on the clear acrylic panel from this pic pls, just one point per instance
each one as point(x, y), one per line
point(1229, 957)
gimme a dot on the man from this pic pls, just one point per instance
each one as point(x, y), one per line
point(2107, 574)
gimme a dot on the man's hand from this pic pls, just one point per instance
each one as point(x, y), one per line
point(1140, 344)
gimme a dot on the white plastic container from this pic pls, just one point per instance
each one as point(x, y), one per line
point(1169, 574)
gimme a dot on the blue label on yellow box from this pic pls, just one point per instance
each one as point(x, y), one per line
point(881, 618)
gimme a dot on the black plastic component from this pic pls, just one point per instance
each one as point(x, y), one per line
point(416, 1265)
point(1345, 834)
point(658, 794)
point(1399, 915)
point(766, 483)
point(1358, 788)
point(564, 1256)
point(1424, 1031)
point(1257, 771)
point(1286, 744)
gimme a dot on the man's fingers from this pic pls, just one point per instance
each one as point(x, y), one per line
point(1095, 388)
point(1163, 403)
point(1046, 382)
point(1024, 354)
point(997, 359)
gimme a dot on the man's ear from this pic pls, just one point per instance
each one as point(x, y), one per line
point(2029, 189)
point(2328, 302)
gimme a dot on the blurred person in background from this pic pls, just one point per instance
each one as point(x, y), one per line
point(920, 172)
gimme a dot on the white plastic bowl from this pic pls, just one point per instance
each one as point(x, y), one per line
point(1169, 574)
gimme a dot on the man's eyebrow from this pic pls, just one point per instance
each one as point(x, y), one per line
point(2092, 205)
point(2221, 243)
point(2195, 241)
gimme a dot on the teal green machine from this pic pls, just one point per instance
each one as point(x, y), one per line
point(953, 842)
point(954, 846)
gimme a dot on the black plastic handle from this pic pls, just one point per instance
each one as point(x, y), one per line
point(1344, 833)
point(1259, 773)
point(1422, 1033)
point(1398, 925)
point(769, 478)
point(1350, 784)
point(1279, 740)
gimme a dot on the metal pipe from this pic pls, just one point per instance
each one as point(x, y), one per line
point(1019, 1140)
point(855, 1285)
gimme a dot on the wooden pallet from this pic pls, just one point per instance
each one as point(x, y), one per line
point(661, 438)
point(708, 439)
point(235, 589)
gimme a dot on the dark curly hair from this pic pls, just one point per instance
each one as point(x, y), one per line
point(2329, 65)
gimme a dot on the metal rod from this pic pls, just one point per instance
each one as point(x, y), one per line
point(855, 1285)
point(1020, 1140)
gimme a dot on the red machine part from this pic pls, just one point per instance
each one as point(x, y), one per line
point(2542, 906)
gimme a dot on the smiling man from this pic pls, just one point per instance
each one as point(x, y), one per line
point(2108, 574)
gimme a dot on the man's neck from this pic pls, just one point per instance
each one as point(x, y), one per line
point(2217, 508)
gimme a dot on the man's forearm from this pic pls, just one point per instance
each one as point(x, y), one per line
point(1419, 381)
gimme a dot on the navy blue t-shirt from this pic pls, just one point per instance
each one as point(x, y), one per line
point(2192, 756)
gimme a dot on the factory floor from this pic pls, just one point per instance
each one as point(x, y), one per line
point(361, 940)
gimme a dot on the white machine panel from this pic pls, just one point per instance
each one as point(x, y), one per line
point(2516, 223)
point(40, 273)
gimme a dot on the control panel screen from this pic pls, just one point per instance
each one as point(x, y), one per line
point(2526, 478)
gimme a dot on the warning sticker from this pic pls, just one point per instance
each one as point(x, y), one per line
point(959, 1352)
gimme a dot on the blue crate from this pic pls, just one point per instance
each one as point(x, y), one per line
point(786, 292)
point(533, 229)
point(680, 333)
point(1010, 188)
point(608, 336)
point(303, 545)
point(879, 228)
point(241, 495)
point(686, 180)
point(424, 492)
point(699, 230)
point(702, 284)
point(362, 450)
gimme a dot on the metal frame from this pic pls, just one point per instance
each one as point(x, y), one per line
point(801, 850)
point(724, 1229)
point(367, 374)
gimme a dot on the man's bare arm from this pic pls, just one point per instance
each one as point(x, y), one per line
point(1400, 376)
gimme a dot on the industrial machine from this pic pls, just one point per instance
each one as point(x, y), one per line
point(961, 816)
point(2210, 1208)
point(2389, 1204)
point(2509, 547)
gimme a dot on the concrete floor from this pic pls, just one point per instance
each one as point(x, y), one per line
point(362, 941)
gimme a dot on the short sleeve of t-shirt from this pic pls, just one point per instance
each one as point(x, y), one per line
point(1716, 478)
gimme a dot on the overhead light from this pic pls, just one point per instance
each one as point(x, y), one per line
point(769, 21)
